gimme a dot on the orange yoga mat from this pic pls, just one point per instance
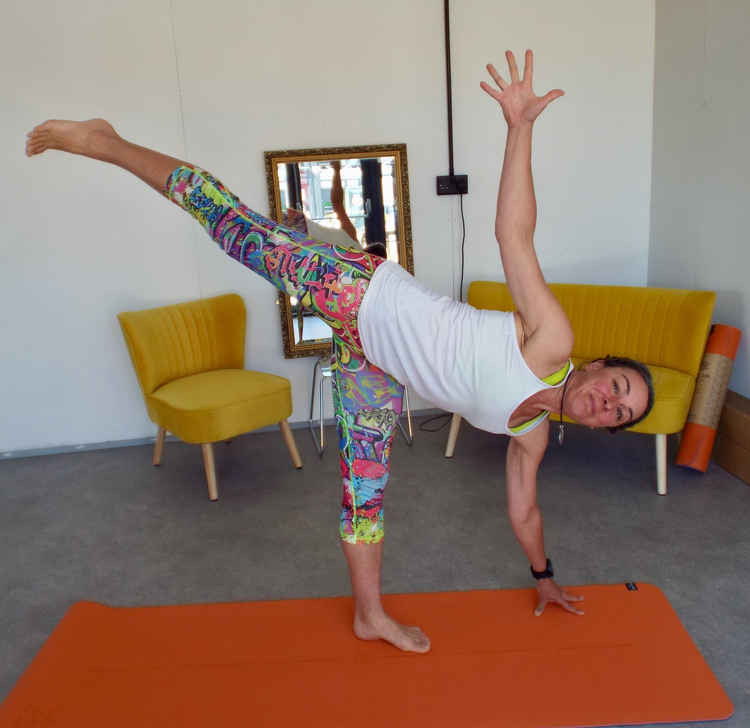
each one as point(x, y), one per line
point(296, 663)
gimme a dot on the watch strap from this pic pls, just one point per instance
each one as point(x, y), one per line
point(546, 574)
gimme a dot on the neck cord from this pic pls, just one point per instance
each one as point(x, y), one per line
point(561, 426)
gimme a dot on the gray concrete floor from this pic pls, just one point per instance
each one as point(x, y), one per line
point(106, 526)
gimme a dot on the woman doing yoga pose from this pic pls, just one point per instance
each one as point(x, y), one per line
point(504, 372)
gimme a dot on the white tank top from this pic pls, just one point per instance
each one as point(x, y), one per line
point(460, 358)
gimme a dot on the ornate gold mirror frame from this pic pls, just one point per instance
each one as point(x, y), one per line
point(300, 182)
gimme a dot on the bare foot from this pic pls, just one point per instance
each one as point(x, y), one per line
point(77, 137)
point(408, 639)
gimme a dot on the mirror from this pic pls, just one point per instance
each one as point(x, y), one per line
point(352, 196)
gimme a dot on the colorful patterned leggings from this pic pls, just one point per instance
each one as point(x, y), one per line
point(330, 281)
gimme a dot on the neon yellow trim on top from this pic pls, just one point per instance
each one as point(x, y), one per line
point(557, 376)
point(517, 429)
point(553, 379)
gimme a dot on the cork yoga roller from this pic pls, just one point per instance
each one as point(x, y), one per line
point(710, 392)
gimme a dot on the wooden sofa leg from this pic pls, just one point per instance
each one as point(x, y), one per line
point(453, 435)
point(661, 464)
point(209, 465)
point(291, 445)
point(159, 446)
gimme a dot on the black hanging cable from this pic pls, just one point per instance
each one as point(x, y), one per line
point(463, 243)
point(449, 90)
point(446, 415)
point(448, 82)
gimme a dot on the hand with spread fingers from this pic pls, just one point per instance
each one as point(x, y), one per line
point(550, 593)
point(519, 103)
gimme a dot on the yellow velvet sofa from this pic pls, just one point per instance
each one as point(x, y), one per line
point(664, 328)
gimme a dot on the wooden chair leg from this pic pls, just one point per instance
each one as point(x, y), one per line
point(453, 435)
point(159, 446)
point(661, 464)
point(291, 445)
point(208, 464)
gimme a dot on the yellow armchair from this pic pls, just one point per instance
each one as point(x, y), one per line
point(189, 360)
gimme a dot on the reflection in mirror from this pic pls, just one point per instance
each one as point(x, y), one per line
point(356, 197)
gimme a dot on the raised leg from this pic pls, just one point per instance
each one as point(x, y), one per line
point(97, 139)
point(327, 279)
point(291, 445)
point(210, 467)
point(453, 435)
point(661, 464)
point(159, 446)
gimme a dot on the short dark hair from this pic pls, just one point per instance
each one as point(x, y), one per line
point(642, 369)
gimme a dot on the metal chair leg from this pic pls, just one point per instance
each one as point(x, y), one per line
point(409, 438)
point(322, 367)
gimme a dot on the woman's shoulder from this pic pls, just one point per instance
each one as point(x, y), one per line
point(547, 349)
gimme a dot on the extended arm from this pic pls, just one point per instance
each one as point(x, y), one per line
point(515, 221)
point(521, 466)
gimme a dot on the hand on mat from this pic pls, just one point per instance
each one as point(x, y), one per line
point(550, 593)
point(519, 102)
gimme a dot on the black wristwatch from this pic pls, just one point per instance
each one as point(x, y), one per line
point(546, 574)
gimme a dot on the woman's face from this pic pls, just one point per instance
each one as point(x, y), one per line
point(606, 396)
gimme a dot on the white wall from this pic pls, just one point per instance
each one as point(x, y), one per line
point(701, 188)
point(592, 149)
point(220, 84)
